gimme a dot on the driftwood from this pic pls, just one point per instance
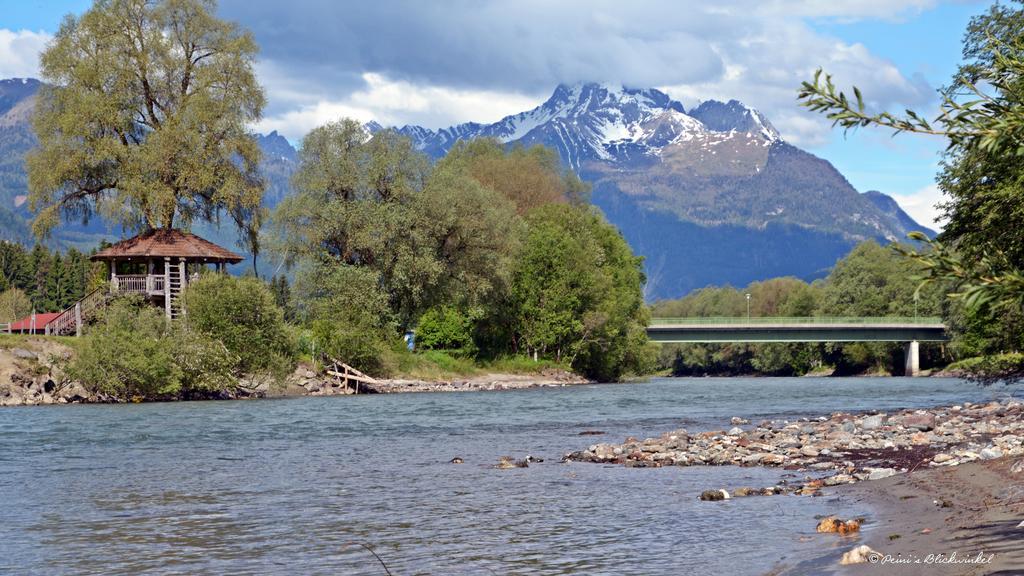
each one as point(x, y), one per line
point(344, 373)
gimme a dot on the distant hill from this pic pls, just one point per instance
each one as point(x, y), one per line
point(709, 196)
point(712, 195)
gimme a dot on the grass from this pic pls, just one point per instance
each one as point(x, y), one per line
point(25, 340)
point(996, 362)
point(441, 365)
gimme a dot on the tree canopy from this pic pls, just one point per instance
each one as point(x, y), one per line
point(144, 119)
point(488, 252)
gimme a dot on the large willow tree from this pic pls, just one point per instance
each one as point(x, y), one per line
point(144, 119)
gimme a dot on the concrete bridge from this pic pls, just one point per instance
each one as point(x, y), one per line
point(823, 329)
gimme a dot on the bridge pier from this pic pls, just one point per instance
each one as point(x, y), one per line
point(912, 362)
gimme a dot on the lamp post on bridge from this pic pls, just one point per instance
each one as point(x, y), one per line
point(748, 307)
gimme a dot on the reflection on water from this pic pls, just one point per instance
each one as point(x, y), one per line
point(294, 486)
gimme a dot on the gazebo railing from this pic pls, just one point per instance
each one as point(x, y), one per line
point(152, 284)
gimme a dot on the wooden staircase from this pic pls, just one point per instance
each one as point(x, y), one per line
point(175, 285)
point(70, 321)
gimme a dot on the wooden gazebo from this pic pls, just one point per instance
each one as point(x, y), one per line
point(159, 264)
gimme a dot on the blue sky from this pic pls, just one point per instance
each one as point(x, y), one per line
point(439, 63)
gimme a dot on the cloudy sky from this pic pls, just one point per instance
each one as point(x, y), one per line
point(443, 62)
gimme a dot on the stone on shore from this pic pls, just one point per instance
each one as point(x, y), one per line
point(990, 453)
point(831, 524)
point(714, 495)
point(859, 555)
point(850, 447)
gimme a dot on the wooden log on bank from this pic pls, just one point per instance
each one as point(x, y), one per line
point(347, 375)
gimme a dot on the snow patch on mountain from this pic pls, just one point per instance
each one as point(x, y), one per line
point(607, 123)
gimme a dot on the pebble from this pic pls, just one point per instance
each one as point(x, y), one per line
point(871, 422)
point(879, 473)
point(990, 453)
point(858, 555)
point(851, 447)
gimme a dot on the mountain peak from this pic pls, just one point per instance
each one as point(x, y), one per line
point(734, 115)
point(589, 95)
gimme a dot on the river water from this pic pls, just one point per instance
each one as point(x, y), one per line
point(300, 485)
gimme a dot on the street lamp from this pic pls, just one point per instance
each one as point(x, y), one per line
point(748, 307)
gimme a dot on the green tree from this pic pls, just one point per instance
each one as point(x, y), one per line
point(430, 237)
point(14, 305)
point(15, 268)
point(40, 264)
point(529, 177)
point(283, 296)
point(144, 118)
point(577, 294)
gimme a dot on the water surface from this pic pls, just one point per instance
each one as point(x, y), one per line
point(295, 486)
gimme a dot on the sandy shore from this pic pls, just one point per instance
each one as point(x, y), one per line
point(968, 510)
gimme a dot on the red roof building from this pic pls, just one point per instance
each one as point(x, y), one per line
point(35, 324)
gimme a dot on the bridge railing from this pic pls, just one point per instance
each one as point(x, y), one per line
point(708, 320)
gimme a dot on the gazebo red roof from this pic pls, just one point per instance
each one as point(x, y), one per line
point(164, 242)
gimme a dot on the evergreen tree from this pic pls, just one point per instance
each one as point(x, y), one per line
point(15, 267)
point(40, 263)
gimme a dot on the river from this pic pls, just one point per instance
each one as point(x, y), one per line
point(298, 485)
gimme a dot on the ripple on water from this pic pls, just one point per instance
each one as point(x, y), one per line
point(296, 486)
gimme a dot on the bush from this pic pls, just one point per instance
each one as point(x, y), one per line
point(348, 316)
point(127, 354)
point(133, 352)
point(243, 315)
point(356, 343)
point(447, 328)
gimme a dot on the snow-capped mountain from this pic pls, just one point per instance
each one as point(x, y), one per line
point(609, 124)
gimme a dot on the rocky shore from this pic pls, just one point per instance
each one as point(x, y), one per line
point(315, 384)
point(833, 450)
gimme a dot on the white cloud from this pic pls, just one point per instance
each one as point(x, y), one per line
point(19, 52)
point(438, 68)
point(921, 206)
point(847, 11)
point(390, 103)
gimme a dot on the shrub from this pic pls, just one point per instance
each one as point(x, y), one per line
point(447, 328)
point(127, 354)
point(206, 364)
point(243, 315)
point(133, 352)
point(357, 343)
point(349, 317)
